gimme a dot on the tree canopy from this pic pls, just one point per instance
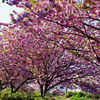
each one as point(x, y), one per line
point(55, 42)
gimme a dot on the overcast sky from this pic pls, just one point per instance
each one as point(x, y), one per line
point(5, 10)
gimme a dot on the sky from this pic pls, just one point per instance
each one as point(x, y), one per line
point(5, 10)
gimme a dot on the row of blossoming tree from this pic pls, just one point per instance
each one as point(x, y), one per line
point(53, 42)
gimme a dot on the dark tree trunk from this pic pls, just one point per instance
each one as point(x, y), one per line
point(45, 90)
point(21, 84)
point(41, 90)
point(12, 87)
point(0, 88)
point(66, 89)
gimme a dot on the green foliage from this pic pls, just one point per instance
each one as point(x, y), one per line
point(49, 94)
point(69, 94)
point(7, 95)
point(37, 94)
point(80, 94)
point(74, 52)
point(30, 97)
point(46, 9)
point(11, 96)
point(58, 97)
point(97, 96)
point(6, 90)
point(99, 47)
point(86, 8)
point(32, 1)
point(81, 98)
point(88, 96)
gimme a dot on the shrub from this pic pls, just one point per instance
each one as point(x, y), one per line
point(88, 96)
point(96, 96)
point(69, 94)
point(37, 94)
point(12, 96)
point(80, 94)
point(7, 90)
point(57, 92)
point(58, 97)
point(30, 97)
point(82, 98)
point(6, 95)
point(49, 94)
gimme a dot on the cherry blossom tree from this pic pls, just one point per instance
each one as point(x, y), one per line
point(11, 74)
point(57, 41)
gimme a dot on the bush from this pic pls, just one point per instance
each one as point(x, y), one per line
point(96, 96)
point(12, 96)
point(69, 94)
point(4, 96)
point(49, 94)
point(88, 96)
point(7, 95)
point(80, 94)
point(30, 97)
point(37, 94)
point(81, 98)
point(58, 97)
point(57, 92)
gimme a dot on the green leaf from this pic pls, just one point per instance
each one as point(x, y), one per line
point(92, 3)
point(35, 3)
point(79, 5)
point(86, 8)
point(31, 1)
point(11, 14)
point(46, 9)
point(29, 19)
point(99, 47)
point(61, 0)
point(24, 61)
point(74, 52)
point(13, 20)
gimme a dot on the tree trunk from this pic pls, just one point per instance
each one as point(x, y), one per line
point(45, 90)
point(66, 89)
point(12, 87)
point(44, 93)
point(41, 90)
point(0, 86)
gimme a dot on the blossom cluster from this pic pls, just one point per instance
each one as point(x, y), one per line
point(13, 2)
point(20, 18)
